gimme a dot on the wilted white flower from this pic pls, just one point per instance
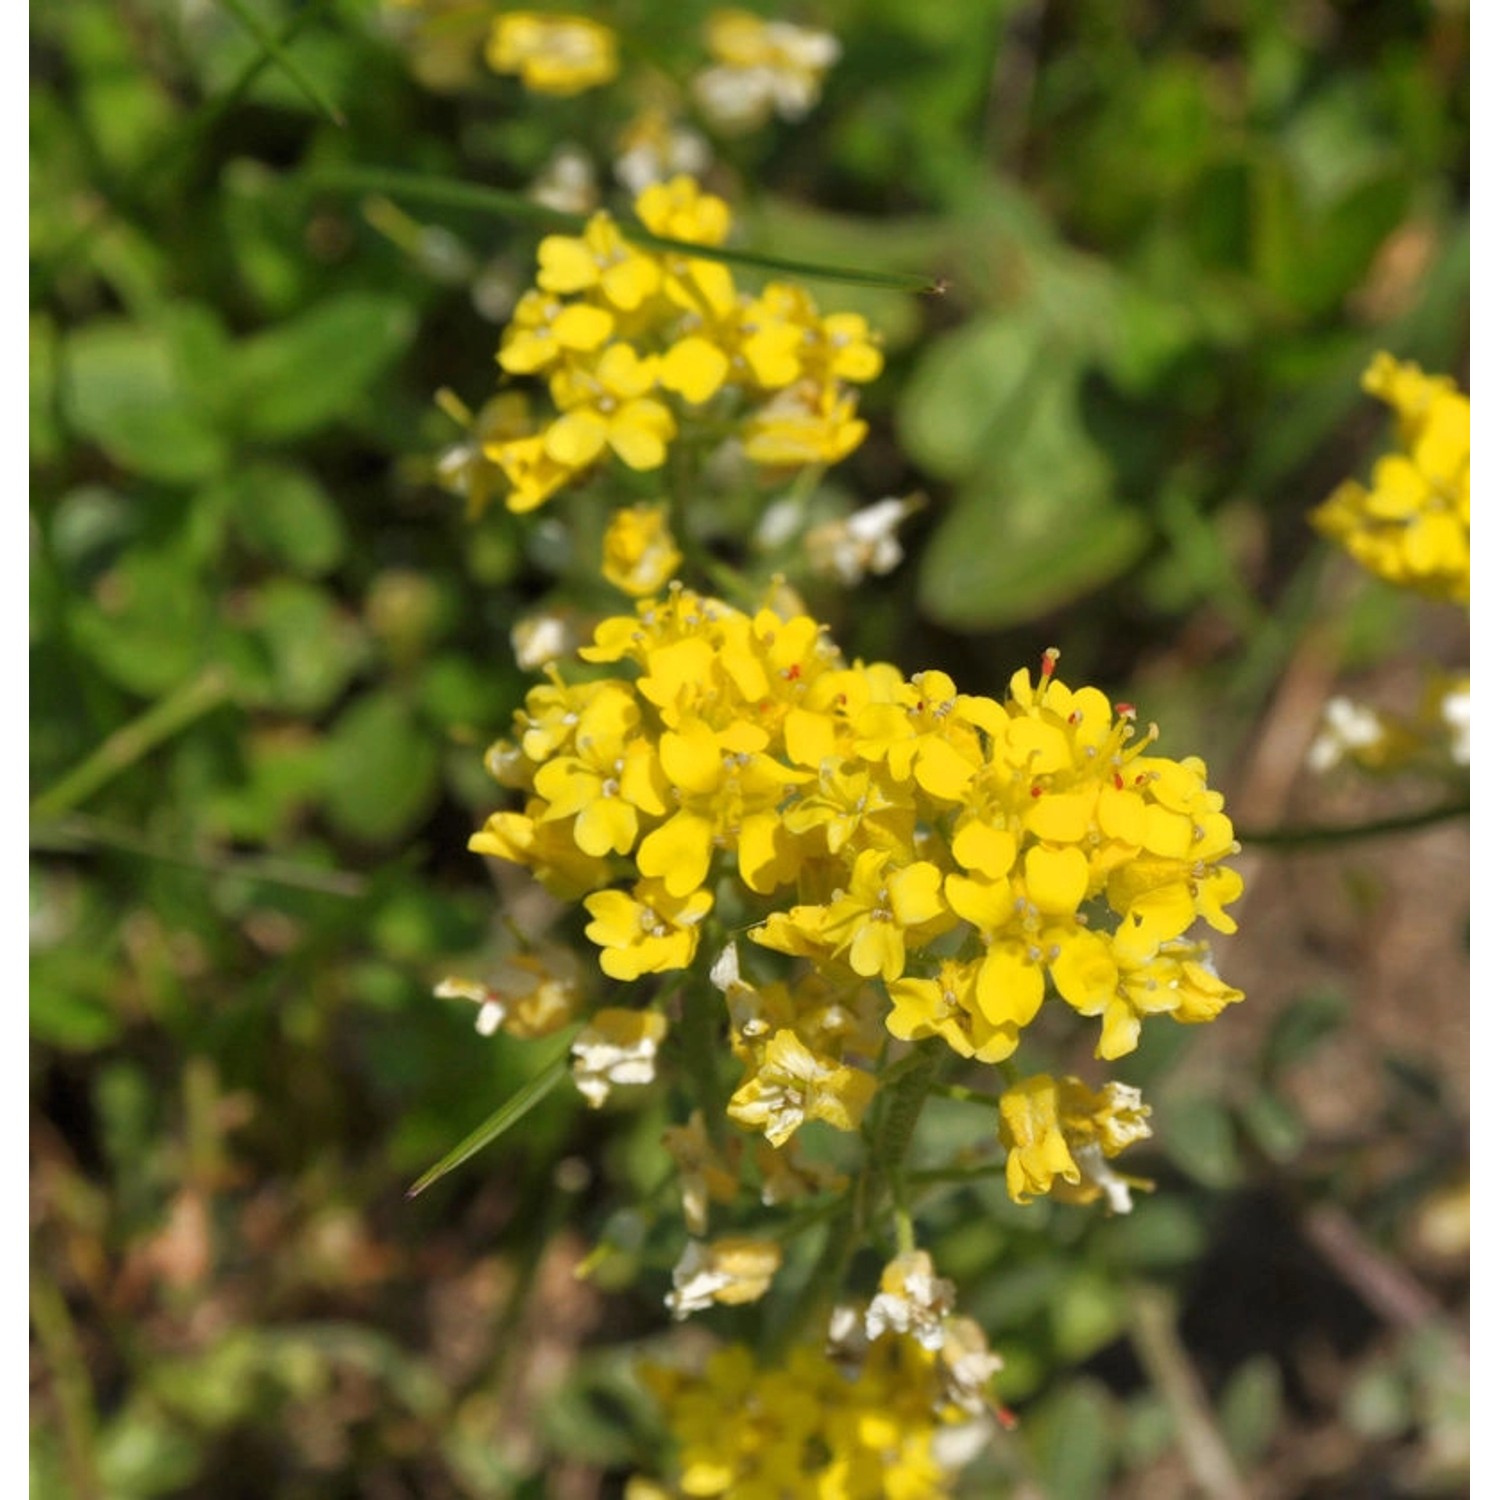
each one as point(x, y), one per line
point(731, 1270)
point(538, 639)
point(1347, 727)
point(862, 544)
point(568, 182)
point(616, 1047)
point(913, 1300)
point(532, 995)
point(491, 1006)
point(1454, 712)
point(653, 148)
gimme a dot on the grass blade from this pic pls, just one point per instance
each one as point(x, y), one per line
point(512, 1112)
point(271, 44)
point(446, 193)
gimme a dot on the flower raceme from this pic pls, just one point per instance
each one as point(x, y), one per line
point(635, 344)
point(1410, 525)
point(937, 860)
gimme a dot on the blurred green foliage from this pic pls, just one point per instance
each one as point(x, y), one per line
point(267, 653)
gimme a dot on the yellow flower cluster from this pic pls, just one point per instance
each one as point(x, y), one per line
point(629, 340)
point(561, 55)
point(1410, 525)
point(883, 1417)
point(761, 67)
point(961, 851)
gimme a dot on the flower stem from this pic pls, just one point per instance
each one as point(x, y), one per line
point(132, 741)
point(1322, 838)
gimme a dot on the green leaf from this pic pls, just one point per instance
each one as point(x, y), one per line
point(1197, 1133)
point(1250, 1409)
point(70, 1006)
point(1075, 1437)
point(1301, 1028)
point(152, 625)
point(1162, 1232)
point(1088, 1312)
point(286, 515)
point(382, 768)
point(511, 1113)
point(1038, 528)
point(966, 393)
point(305, 374)
point(1274, 1126)
point(123, 388)
point(314, 646)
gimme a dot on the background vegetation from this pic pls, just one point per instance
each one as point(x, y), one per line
point(267, 651)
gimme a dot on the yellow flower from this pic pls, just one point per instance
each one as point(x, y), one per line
point(948, 1006)
point(598, 261)
point(640, 554)
point(560, 55)
point(870, 924)
point(804, 424)
point(648, 932)
point(1411, 525)
point(793, 1084)
point(533, 474)
point(1058, 1133)
point(606, 404)
point(543, 330)
point(467, 469)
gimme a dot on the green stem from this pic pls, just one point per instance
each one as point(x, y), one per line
point(133, 741)
point(71, 1387)
point(938, 1176)
point(967, 1095)
point(904, 1101)
point(914, 1083)
point(1153, 1332)
point(81, 832)
point(448, 193)
point(701, 1045)
point(822, 1286)
point(1322, 838)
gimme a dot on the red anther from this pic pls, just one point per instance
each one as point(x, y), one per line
point(842, 699)
point(1005, 1417)
point(1049, 660)
point(1119, 782)
point(1036, 791)
point(1125, 710)
point(1141, 779)
point(794, 671)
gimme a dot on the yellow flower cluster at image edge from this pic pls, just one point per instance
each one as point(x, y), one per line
point(1410, 525)
point(937, 858)
point(888, 1411)
point(634, 343)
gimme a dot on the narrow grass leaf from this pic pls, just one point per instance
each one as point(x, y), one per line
point(447, 193)
point(512, 1112)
